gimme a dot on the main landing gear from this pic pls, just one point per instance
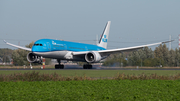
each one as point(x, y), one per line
point(59, 66)
point(87, 66)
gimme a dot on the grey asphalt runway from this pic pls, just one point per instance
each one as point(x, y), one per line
point(70, 67)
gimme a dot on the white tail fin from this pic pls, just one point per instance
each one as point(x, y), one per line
point(104, 37)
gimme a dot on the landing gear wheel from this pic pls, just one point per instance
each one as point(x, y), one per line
point(90, 67)
point(84, 66)
point(59, 66)
point(87, 66)
point(62, 67)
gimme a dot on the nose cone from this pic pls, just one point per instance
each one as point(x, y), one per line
point(34, 49)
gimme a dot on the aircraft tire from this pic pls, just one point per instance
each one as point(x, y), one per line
point(87, 66)
point(84, 66)
point(56, 66)
point(90, 67)
point(59, 66)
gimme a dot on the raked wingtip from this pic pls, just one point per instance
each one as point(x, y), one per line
point(4, 41)
point(167, 41)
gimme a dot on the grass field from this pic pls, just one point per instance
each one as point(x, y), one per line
point(38, 87)
point(96, 73)
point(97, 90)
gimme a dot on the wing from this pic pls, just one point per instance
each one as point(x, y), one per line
point(24, 48)
point(111, 51)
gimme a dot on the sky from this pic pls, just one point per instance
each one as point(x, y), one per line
point(133, 22)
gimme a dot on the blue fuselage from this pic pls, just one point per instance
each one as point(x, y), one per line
point(49, 45)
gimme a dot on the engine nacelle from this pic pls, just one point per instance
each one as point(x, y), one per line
point(92, 57)
point(33, 58)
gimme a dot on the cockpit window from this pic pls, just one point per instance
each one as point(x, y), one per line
point(38, 44)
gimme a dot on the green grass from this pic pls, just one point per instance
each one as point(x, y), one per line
point(96, 73)
point(34, 86)
point(97, 90)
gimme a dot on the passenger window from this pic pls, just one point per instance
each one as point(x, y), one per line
point(41, 45)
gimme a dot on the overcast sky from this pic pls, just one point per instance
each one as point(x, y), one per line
point(133, 22)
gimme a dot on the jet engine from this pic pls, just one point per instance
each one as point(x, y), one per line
point(92, 57)
point(33, 58)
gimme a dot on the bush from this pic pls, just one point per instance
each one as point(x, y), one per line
point(36, 76)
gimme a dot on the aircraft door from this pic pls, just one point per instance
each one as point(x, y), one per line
point(65, 47)
point(49, 46)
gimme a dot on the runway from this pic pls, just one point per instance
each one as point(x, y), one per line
point(75, 67)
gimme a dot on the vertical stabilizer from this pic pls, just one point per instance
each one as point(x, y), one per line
point(104, 37)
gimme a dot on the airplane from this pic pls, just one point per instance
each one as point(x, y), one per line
point(74, 51)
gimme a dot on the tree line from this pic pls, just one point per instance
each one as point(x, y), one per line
point(161, 56)
point(5, 54)
point(19, 56)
